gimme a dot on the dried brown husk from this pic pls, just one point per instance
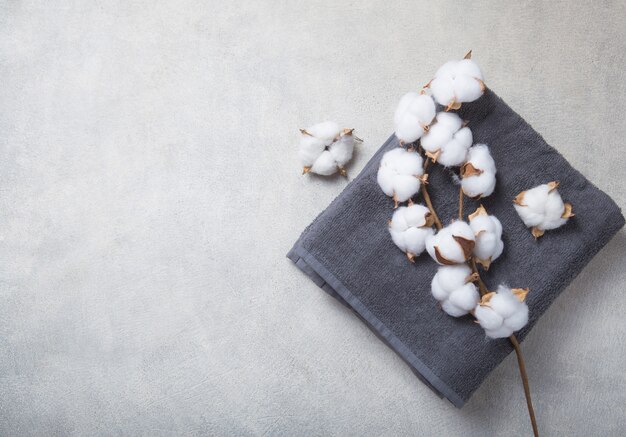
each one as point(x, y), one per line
point(468, 169)
point(537, 232)
point(442, 259)
point(466, 245)
point(567, 211)
point(479, 211)
point(520, 293)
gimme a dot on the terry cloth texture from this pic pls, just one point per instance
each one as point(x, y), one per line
point(348, 251)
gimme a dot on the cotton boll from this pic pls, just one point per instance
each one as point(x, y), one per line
point(452, 287)
point(447, 141)
point(451, 309)
point(400, 174)
point(325, 164)
point(409, 228)
point(465, 297)
point(414, 114)
point(454, 152)
point(327, 130)
point(452, 244)
point(503, 312)
point(478, 173)
point(518, 319)
point(325, 149)
point(310, 149)
point(541, 208)
point(342, 149)
point(488, 318)
point(452, 277)
point(457, 82)
point(488, 234)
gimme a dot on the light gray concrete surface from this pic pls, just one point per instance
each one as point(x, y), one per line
point(150, 188)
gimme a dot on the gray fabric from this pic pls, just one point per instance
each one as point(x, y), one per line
point(348, 252)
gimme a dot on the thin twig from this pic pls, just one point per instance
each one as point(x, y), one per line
point(522, 371)
point(518, 351)
point(425, 194)
point(430, 207)
point(481, 285)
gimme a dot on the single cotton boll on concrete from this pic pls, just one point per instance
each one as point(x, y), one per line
point(453, 287)
point(503, 312)
point(325, 149)
point(478, 173)
point(400, 174)
point(409, 227)
point(457, 82)
point(447, 140)
point(414, 114)
point(541, 208)
point(488, 234)
point(452, 244)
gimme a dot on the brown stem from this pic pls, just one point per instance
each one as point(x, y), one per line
point(426, 196)
point(481, 285)
point(522, 371)
point(518, 351)
point(460, 203)
point(430, 206)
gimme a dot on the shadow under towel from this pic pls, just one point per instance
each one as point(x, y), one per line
point(348, 251)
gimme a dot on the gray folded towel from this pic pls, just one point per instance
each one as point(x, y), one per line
point(348, 252)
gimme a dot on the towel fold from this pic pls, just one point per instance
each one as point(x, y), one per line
point(348, 251)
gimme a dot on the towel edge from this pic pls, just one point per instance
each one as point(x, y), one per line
point(416, 365)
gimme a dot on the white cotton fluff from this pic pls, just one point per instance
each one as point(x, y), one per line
point(453, 288)
point(399, 174)
point(479, 172)
point(503, 313)
point(457, 82)
point(452, 244)
point(413, 115)
point(542, 208)
point(325, 148)
point(488, 233)
point(409, 227)
point(448, 140)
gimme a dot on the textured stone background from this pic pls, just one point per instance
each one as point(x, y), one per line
point(150, 188)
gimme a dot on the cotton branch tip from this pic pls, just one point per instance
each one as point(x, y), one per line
point(448, 140)
point(503, 312)
point(413, 116)
point(453, 287)
point(400, 174)
point(488, 234)
point(479, 172)
point(457, 82)
point(451, 245)
point(325, 149)
point(409, 227)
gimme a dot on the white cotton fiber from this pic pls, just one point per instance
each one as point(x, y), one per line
point(488, 234)
point(479, 172)
point(409, 227)
point(502, 313)
point(414, 114)
point(541, 208)
point(325, 148)
point(457, 82)
point(399, 174)
point(452, 287)
point(447, 141)
point(452, 244)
